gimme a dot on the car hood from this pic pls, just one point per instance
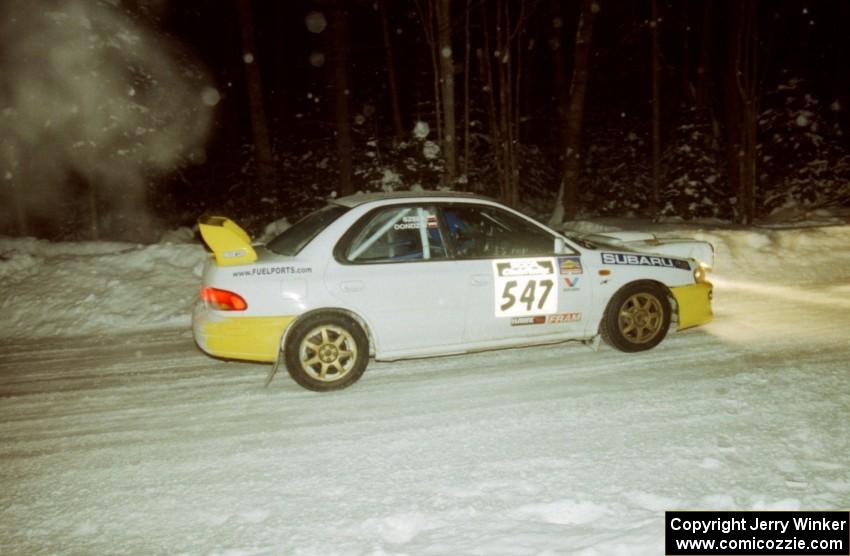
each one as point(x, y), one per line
point(643, 242)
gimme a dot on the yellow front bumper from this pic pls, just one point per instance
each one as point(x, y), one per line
point(246, 338)
point(694, 304)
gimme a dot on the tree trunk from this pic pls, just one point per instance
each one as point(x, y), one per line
point(466, 63)
point(488, 87)
point(398, 127)
point(12, 167)
point(504, 102)
point(263, 154)
point(748, 90)
point(562, 85)
point(732, 103)
point(656, 112)
point(94, 213)
point(427, 14)
point(703, 93)
point(704, 84)
point(575, 109)
point(447, 85)
point(342, 95)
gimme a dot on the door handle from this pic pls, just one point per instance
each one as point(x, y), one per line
point(352, 286)
point(479, 279)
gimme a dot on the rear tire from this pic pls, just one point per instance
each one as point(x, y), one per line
point(326, 351)
point(637, 317)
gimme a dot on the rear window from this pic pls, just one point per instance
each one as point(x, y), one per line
point(294, 238)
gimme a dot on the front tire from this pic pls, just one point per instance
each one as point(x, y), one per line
point(326, 351)
point(637, 317)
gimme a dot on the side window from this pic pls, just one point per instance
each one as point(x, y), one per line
point(398, 234)
point(489, 232)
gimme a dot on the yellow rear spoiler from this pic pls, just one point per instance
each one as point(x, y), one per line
point(230, 244)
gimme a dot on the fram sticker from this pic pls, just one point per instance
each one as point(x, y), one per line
point(561, 318)
point(643, 260)
point(571, 281)
point(570, 265)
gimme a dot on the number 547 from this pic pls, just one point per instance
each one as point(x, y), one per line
point(533, 294)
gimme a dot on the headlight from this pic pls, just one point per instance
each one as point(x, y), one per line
point(699, 274)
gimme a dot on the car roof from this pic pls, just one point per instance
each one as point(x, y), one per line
point(358, 199)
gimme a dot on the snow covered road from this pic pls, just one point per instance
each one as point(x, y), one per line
point(133, 442)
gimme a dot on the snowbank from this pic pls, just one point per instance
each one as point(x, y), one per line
point(66, 289)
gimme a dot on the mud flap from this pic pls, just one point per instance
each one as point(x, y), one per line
point(273, 370)
point(694, 304)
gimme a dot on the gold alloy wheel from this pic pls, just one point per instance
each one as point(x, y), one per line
point(327, 353)
point(641, 317)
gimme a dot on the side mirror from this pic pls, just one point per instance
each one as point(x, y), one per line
point(560, 245)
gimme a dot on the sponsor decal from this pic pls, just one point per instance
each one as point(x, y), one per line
point(643, 260)
point(523, 321)
point(273, 271)
point(571, 281)
point(524, 267)
point(570, 265)
point(525, 287)
point(414, 223)
point(561, 318)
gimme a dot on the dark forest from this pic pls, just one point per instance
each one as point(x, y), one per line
point(122, 119)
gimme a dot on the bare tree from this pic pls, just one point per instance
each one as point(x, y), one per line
point(427, 13)
point(703, 87)
point(561, 97)
point(398, 127)
point(656, 110)
point(501, 82)
point(342, 94)
point(447, 87)
point(747, 81)
point(9, 163)
point(466, 62)
point(263, 154)
point(568, 193)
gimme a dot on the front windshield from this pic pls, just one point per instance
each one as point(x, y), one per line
point(294, 238)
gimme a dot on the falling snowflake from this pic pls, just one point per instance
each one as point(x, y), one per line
point(317, 59)
point(210, 96)
point(421, 130)
point(315, 22)
point(431, 150)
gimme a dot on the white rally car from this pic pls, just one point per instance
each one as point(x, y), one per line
point(419, 274)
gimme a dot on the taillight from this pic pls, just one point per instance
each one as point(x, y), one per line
point(223, 300)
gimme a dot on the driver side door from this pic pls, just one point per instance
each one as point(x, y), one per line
point(518, 290)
